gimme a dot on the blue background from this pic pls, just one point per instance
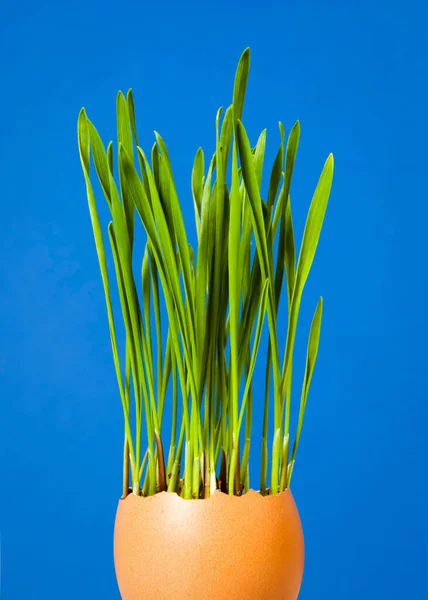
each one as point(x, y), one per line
point(354, 73)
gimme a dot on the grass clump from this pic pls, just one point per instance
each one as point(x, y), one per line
point(216, 297)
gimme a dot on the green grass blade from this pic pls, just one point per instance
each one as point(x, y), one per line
point(110, 157)
point(84, 151)
point(131, 347)
point(172, 450)
point(226, 136)
point(125, 258)
point(124, 136)
point(252, 187)
point(290, 157)
point(143, 464)
point(100, 161)
point(165, 374)
point(133, 122)
point(237, 427)
point(311, 357)
point(147, 328)
point(124, 128)
point(314, 223)
point(240, 86)
point(158, 325)
point(247, 231)
point(259, 157)
point(201, 277)
point(131, 113)
point(275, 176)
point(256, 344)
point(308, 248)
point(162, 181)
point(290, 252)
point(180, 231)
point(234, 287)
point(156, 170)
point(250, 179)
point(198, 186)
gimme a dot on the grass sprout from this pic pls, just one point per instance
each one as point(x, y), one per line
point(217, 299)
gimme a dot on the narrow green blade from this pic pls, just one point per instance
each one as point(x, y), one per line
point(284, 244)
point(124, 136)
point(100, 161)
point(198, 186)
point(311, 357)
point(314, 223)
point(275, 176)
point(240, 85)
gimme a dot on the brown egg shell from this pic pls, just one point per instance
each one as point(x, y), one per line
point(225, 547)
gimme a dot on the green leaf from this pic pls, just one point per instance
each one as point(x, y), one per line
point(124, 136)
point(124, 130)
point(133, 122)
point(138, 194)
point(131, 113)
point(252, 187)
point(256, 344)
point(266, 268)
point(156, 166)
point(251, 302)
point(259, 156)
point(100, 161)
point(234, 284)
point(198, 186)
point(240, 86)
point(130, 343)
point(308, 248)
point(203, 264)
point(218, 243)
point(140, 385)
point(226, 136)
point(311, 357)
point(146, 279)
point(162, 181)
point(84, 150)
point(290, 156)
point(313, 345)
point(290, 251)
point(110, 157)
point(245, 245)
point(284, 244)
point(201, 281)
point(171, 199)
point(275, 176)
point(278, 212)
point(157, 311)
point(314, 224)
